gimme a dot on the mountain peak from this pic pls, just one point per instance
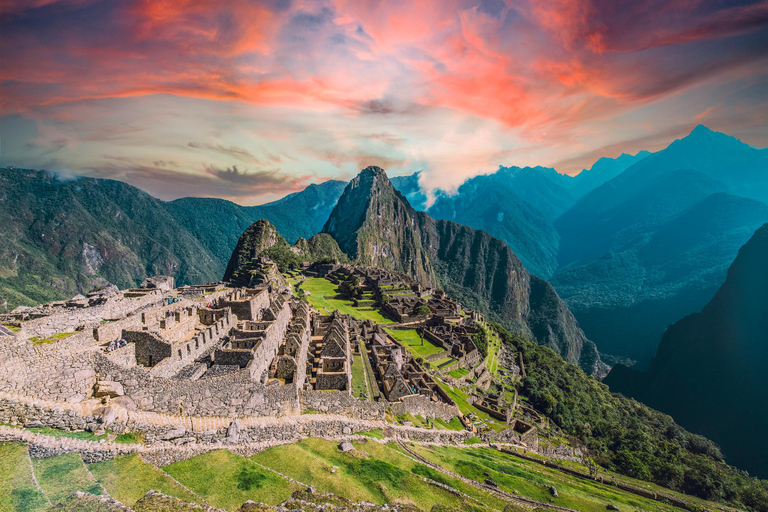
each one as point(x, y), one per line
point(374, 170)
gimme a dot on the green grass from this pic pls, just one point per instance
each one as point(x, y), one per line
point(12, 328)
point(17, 489)
point(37, 340)
point(227, 480)
point(62, 475)
point(373, 473)
point(127, 438)
point(458, 373)
point(128, 478)
point(320, 288)
point(376, 434)
point(418, 346)
point(462, 400)
point(533, 480)
point(474, 440)
point(358, 377)
point(454, 424)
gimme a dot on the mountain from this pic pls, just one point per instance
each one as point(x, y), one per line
point(605, 169)
point(518, 205)
point(63, 237)
point(651, 245)
point(375, 225)
point(218, 223)
point(709, 371)
point(491, 203)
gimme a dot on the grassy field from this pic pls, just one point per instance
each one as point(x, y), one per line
point(227, 480)
point(320, 288)
point(418, 346)
point(373, 473)
point(128, 478)
point(62, 475)
point(17, 489)
point(533, 481)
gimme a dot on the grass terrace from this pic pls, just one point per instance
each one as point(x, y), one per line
point(128, 478)
point(226, 480)
point(62, 475)
point(533, 480)
point(17, 486)
point(373, 472)
point(417, 345)
point(324, 297)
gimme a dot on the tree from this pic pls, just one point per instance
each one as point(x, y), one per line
point(422, 310)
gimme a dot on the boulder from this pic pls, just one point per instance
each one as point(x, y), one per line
point(125, 402)
point(108, 388)
point(173, 434)
point(611, 506)
point(233, 431)
point(77, 397)
point(553, 491)
point(346, 446)
point(107, 415)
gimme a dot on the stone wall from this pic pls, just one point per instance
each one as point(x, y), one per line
point(46, 371)
point(423, 406)
point(267, 349)
point(70, 319)
point(233, 394)
point(341, 402)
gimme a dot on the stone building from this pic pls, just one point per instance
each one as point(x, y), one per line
point(331, 356)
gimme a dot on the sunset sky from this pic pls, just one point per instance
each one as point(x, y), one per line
point(252, 100)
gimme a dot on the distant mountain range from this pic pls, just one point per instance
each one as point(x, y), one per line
point(710, 369)
point(61, 237)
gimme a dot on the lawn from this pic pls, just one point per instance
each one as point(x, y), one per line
point(373, 473)
point(411, 339)
point(227, 480)
point(319, 289)
point(62, 475)
point(17, 489)
point(128, 478)
point(458, 373)
point(358, 377)
point(532, 480)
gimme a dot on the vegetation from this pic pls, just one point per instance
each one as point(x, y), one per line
point(373, 472)
point(626, 436)
point(37, 340)
point(415, 342)
point(323, 296)
point(227, 480)
point(62, 475)
point(128, 478)
point(17, 489)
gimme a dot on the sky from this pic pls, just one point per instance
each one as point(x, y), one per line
point(251, 100)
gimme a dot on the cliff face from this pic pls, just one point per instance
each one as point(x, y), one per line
point(709, 371)
point(376, 226)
